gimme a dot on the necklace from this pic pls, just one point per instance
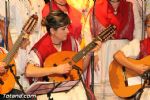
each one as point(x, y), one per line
point(58, 46)
point(56, 43)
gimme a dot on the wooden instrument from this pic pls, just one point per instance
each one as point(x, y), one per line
point(7, 80)
point(119, 78)
point(73, 58)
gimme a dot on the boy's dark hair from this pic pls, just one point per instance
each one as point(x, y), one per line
point(56, 19)
point(147, 19)
point(114, 0)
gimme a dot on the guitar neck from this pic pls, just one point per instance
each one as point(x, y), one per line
point(83, 52)
point(14, 49)
point(103, 36)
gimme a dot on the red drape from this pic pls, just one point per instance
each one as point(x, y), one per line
point(124, 19)
point(144, 48)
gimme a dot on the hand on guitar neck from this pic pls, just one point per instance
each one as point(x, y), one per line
point(97, 47)
point(25, 43)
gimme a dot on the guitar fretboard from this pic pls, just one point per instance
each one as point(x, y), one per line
point(13, 51)
point(103, 36)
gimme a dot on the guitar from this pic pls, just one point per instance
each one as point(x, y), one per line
point(7, 80)
point(73, 58)
point(119, 78)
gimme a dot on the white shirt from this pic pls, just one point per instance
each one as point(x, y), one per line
point(132, 49)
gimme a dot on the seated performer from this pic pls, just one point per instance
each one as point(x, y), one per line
point(137, 49)
point(55, 40)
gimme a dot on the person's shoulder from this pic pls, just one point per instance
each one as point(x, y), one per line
point(135, 40)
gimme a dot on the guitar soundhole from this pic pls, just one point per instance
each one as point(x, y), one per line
point(65, 76)
point(55, 65)
point(1, 81)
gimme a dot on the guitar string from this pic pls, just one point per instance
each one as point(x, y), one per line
point(11, 54)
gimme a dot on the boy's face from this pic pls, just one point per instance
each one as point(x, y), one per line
point(61, 33)
point(148, 28)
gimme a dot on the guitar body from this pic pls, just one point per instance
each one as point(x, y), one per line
point(116, 78)
point(7, 78)
point(61, 58)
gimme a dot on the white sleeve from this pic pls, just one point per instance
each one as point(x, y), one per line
point(132, 49)
point(33, 58)
point(21, 61)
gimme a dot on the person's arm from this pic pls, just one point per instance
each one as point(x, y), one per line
point(2, 27)
point(129, 50)
point(33, 70)
point(88, 57)
point(122, 59)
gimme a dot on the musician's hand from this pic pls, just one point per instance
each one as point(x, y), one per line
point(2, 69)
point(98, 46)
point(63, 68)
point(141, 68)
point(25, 43)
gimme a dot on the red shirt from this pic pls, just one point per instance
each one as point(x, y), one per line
point(144, 48)
point(44, 47)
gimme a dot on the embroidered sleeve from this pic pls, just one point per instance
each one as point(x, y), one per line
point(33, 58)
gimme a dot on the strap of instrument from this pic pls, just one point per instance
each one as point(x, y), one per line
point(143, 86)
point(87, 82)
point(16, 78)
point(92, 72)
point(87, 91)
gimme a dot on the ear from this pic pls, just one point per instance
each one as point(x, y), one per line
point(52, 31)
